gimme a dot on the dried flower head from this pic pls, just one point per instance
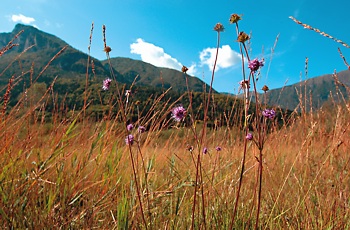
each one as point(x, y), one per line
point(255, 64)
point(184, 69)
point(129, 140)
point(129, 127)
point(235, 18)
point(244, 84)
point(249, 137)
point(242, 37)
point(107, 49)
point(219, 27)
point(269, 113)
point(141, 129)
point(127, 92)
point(189, 148)
point(178, 113)
point(265, 88)
point(106, 84)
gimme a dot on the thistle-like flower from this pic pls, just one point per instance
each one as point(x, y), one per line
point(129, 127)
point(219, 27)
point(129, 140)
point(218, 148)
point(255, 64)
point(242, 37)
point(178, 113)
point(205, 150)
point(141, 129)
point(235, 18)
point(269, 113)
point(249, 137)
point(106, 84)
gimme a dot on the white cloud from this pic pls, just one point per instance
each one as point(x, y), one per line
point(226, 58)
point(21, 18)
point(155, 55)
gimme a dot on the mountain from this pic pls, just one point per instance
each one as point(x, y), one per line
point(42, 48)
point(318, 91)
point(71, 63)
point(156, 76)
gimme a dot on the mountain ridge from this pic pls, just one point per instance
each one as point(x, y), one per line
point(72, 65)
point(72, 62)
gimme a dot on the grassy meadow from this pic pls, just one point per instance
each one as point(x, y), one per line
point(168, 169)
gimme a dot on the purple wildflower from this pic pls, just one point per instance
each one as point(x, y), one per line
point(255, 64)
point(106, 84)
point(218, 148)
point(141, 129)
point(129, 140)
point(269, 113)
point(129, 127)
point(249, 137)
point(178, 113)
point(205, 150)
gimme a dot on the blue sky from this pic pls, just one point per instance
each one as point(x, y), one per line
point(175, 33)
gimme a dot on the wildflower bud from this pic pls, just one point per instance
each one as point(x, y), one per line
point(265, 88)
point(244, 84)
point(127, 93)
point(205, 150)
point(219, 27)
point(189, 148)
point(242, 37)
point(218, 148)
point(235, 18)
point(184, 69)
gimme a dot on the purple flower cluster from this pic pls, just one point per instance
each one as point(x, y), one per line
point(129, 140)
point(178, 113)
point(106, 83)
point(255, 64)
point(249, 137)
point(141, 129)
point(269, 113)
point(129, 127)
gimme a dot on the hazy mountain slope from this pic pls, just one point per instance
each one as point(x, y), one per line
point(317, 90)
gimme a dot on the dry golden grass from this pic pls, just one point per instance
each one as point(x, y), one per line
point(78, 175)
